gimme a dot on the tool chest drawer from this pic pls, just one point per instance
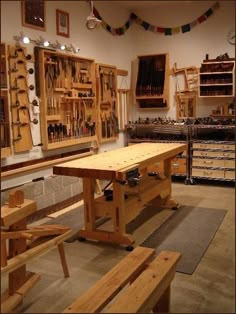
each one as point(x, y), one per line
point(178, 166)
point(230, 175)
point(214, 146)
point(208, 173)
point(230, 164)
point(199, 162)
point(216, 154)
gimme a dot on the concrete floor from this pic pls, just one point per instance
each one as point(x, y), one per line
point(211, 288)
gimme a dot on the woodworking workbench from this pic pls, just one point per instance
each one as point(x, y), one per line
point(120, 166)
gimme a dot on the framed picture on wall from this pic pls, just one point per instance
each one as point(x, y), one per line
point(63, 23)
point(33, 14)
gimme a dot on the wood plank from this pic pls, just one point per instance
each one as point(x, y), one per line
point(32, 279)
point(110, 284)
point(143, 294)
point(44, 230)
point(11, 303)
point(106, 165)
point(41, 165)
point(37, 251)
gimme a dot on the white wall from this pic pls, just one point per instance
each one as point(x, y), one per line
point(186, 49)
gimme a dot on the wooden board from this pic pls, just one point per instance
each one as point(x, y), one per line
point(108, 165)
point(110, 284)
point(143, 294)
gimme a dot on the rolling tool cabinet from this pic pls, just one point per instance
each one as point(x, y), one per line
point(213, 152)
point(4, 113)
point(67, 88)
point(120, 167)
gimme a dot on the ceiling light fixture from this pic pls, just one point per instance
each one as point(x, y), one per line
point(41, 42)
point(92, 21)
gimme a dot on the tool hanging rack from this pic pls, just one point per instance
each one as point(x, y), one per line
point(108, 127)
point(6, 150)
point(20, 101)
point(152, 85)
point(66, 86)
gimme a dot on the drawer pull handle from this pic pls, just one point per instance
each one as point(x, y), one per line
point(208, 162)
point(225, 154)
point(203, 154)
point(207, 172)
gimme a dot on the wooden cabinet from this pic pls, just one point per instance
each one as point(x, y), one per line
point(217, 78)
point(67, 89)
point(4, 109)
point(152, 85)
point(106, 83)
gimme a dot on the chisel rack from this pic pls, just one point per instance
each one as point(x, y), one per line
point(108, 127)
point(20, 101)
point(152, 85)
point(4, 108)
point(66, 86)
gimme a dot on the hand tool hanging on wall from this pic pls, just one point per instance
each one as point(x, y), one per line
point(20, 54)
point(101, 83)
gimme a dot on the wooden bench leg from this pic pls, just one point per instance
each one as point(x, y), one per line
point(163, 305)
point(3, 253)
point(63, 259)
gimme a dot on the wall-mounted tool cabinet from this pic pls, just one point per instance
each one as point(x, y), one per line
point(4, 109)
point(217, 78)
point(106, 77)
point(67, 89)
point(152, 85)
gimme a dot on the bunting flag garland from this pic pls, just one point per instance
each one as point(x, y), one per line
point(156, 29)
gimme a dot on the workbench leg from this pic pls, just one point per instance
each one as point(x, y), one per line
point(63, 259)
point(119, 219)
point(88, 194)
point(119, 208)
point(169, 202)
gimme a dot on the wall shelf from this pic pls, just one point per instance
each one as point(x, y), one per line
point(217, 79)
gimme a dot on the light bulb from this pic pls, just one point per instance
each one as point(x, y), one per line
point(26, 40)
point(46, 43)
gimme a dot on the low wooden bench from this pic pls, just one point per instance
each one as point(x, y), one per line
point(149, 288)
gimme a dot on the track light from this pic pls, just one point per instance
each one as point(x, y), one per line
point(41, 42)
point(26, 40)
point(92, 21)
point(46, 43)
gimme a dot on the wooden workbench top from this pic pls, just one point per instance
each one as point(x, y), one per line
point(108, 165)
